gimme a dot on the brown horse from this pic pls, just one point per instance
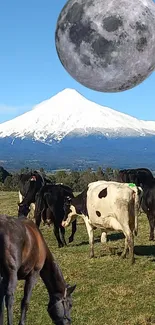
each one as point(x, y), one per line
point(24, 255)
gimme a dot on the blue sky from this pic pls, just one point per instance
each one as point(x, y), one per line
point(31, 72)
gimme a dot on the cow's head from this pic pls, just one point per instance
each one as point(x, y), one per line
point(23, 210)
point(32, 183)
point(70, 212)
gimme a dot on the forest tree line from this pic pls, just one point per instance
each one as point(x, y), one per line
point(77, 180)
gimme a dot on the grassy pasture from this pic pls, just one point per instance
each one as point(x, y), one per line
point(109, 290)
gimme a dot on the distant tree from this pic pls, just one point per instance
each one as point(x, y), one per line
point(1, 186)
point(15, 182)
point(8, 183)
point(42, 171)
point(115, 173)
point(74, 180)
point(60, 176)
point(3, 174)
point(109, 174)
point(99, 174)
point(24, 170)
point(52, 178)
point(86, 177)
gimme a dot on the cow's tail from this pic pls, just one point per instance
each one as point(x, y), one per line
point(137, 202)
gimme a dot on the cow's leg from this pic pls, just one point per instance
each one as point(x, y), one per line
point(57, 235)
point(71, 238)
point(56, 220)
point(103, 236)
point(129, 242)
point(38, 219)
point(32, 209)
point(151, 219)
point(62, 231)
point(43, 216)
point(29, 285)
point(20, 197)
point(9, 298)
point(91, 235)
point(125, 251)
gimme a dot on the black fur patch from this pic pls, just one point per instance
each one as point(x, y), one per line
point(80, 203)
point(98, 213)
point(103, 193)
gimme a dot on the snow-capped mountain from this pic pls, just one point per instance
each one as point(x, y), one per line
point(70, 131)
point(69, 113)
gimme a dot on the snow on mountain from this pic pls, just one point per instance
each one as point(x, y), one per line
point(68, 112)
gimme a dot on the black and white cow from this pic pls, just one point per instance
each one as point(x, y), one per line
point(49, 204)
point(108, 206)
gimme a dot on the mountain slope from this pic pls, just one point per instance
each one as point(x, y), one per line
point(69, 113)
point(70, 131)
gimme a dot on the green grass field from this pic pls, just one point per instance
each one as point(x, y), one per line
point(109, 290)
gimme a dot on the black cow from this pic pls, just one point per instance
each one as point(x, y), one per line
point(144, 178)
point(49, 200)
point(148, 206)
point(138, 176)
point(29, 184)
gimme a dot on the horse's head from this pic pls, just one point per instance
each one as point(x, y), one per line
point(59, 309)
point(23, 210)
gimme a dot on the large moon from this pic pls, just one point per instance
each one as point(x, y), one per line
point(107, 45)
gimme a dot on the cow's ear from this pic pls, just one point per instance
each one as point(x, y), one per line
point(67, 200)
point(70, 290)
point(33, 179)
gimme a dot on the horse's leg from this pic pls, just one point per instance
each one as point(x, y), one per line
point(71, 238)
point(62, 231)
point(9, 298)
point(29, 285)
point(2, 294)
point(57, 235)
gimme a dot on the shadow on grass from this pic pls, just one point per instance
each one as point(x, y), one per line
point(145, 250)
point(111, 237)
point(96, 240)
point(116, 236)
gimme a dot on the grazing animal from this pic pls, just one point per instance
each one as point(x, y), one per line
point(148, 206)
point(144, 178)
point(138, 176)
point(109, 206)
point(24, 255)
point(29, 184)
point(51, 197)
